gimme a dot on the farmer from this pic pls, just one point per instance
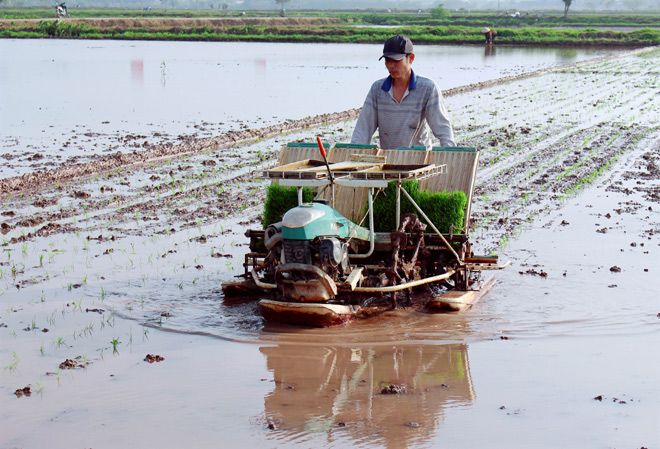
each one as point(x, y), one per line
point(404, 105)
point(489, 35)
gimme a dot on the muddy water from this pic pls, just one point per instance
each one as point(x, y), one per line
point(77, 98)
point(521, 369)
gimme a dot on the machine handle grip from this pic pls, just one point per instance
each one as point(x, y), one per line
point(321, 149)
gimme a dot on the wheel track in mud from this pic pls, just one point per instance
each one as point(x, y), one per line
point(544, 189)
point(551, 111)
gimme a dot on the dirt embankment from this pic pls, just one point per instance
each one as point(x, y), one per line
point(159, 24)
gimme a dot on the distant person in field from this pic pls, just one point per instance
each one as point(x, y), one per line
point(403, 106)
point(489, 35)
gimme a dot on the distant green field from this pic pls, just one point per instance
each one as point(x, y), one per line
point(457, 29)
point(420, 34)
point(475, 18)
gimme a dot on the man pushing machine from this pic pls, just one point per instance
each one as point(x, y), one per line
point(403, 106)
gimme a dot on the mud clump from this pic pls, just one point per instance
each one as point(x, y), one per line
point(30, 222)
point(68, 364)
point(101, 311)
point(272, 424)
point(153, 358)
point(219, 255)
point(25, 391)
point(80, 194)
point(615, 269)
point(535, 272)
point(74, 363)
point(394, 389)
point(44, 202)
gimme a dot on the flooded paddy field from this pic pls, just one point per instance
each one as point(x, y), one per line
point(99, 273)
point(72, 101)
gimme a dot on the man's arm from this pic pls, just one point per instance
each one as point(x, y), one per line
point(367, 121)
point(438, 118)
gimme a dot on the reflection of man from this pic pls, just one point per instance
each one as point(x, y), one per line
point(403, 106)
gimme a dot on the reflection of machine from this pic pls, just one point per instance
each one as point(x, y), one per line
point(339, 391)
point(323, 267)
point(61, 11)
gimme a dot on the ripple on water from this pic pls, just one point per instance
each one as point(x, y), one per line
point(202, 310)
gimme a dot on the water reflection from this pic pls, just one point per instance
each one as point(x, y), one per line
point(336, 392)
point(163, 74)
point(489, 50)
point(137, 71)
point(256, 71)
point(566, 55)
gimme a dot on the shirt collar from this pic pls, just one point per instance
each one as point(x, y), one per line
point(412, 84)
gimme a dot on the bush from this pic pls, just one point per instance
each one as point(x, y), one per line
point(439, 12)
point(56, 28)
point(280, 199)
point(444, 209)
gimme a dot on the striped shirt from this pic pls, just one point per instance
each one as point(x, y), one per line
point(407, 123)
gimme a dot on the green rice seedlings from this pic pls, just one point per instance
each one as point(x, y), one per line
point(115, 344)
point(59, 342)
point(13, 364)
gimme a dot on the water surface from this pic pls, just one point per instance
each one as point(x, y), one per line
point(77, 97)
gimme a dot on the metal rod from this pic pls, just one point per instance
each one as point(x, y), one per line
point(396, 288)
point(260, 284)
point(372, 234)
point(332, 194)
point(300, 196)
point(458, 258)
point(398, 204)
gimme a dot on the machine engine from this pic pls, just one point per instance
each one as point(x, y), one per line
point(330, 254)
point(308, 252)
